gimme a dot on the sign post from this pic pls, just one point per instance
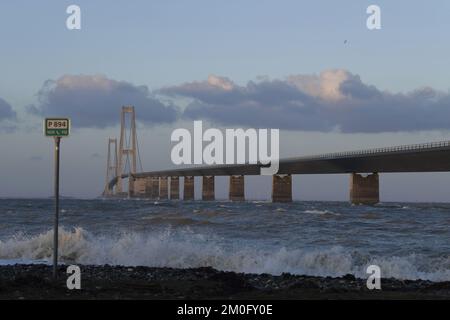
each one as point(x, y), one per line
point(56, 221)
point(56, 128)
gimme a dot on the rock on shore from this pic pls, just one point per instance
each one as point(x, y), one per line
point(117, 282)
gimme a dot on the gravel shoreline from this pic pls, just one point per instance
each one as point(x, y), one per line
point(117, 282)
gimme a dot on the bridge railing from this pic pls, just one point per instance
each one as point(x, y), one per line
point(408, 147)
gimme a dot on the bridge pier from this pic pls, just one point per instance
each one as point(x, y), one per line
point(131, 182)
point(163, 188)
point(282, 188)
point(174, 188)
point(237, 188)
point(148, 187)
point(138, 187)
point(188, 188)
point(155, 188)
point(364, 190)
point(208, 188)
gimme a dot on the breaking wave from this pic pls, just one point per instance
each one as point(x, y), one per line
point(322, 212)
point(188, 250)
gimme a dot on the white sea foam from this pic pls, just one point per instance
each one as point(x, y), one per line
point(9, 262)
point(186, 250)
point(321, 212)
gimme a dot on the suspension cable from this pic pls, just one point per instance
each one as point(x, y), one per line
point(139, 153)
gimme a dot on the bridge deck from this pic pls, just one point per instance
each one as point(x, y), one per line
point(428, 157)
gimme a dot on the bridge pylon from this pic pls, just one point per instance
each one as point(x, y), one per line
point(127, 149)
point(111, 166)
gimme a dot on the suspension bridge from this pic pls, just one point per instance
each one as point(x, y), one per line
point(363, 167)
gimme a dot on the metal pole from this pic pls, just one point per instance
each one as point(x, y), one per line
point(55, 230)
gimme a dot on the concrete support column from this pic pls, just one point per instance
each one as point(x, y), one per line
point(148, 187)
point(237, 188)
point(139, 185)
point(155, 188)
point(174, 188)
point(163, 188)
point(188, 188)
point(364, 190)
point(208, 188)
point(131, 181)
point(282, 188)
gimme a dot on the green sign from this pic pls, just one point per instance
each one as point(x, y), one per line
point(57, 127)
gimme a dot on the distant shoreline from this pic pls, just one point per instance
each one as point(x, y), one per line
point(117, 282)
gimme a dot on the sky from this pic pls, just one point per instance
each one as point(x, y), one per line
point(310, 68)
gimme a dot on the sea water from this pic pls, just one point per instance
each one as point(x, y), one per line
point(407, 241)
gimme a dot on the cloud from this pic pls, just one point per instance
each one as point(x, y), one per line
point(6, 110)
point(7, 117)
point(332, 100)
point(94, 101)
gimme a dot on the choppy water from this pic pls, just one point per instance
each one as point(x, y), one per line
point(408, 241)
